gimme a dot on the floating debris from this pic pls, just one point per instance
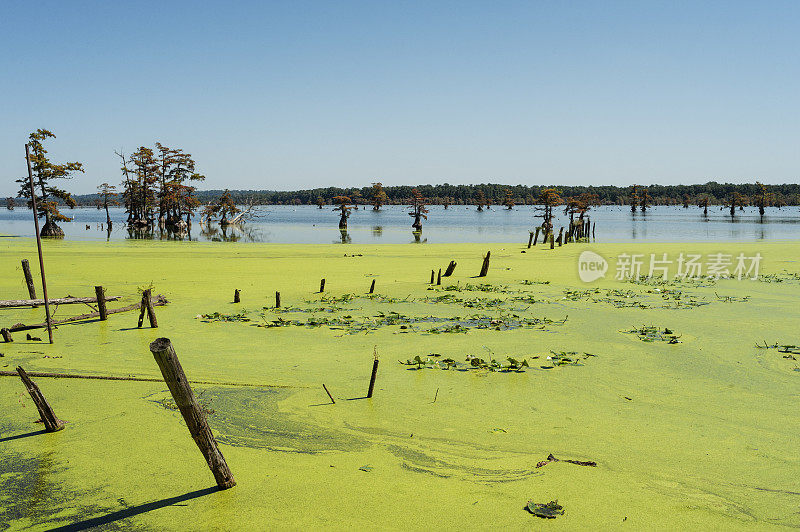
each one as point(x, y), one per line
point(550, 510)
point(655, 334)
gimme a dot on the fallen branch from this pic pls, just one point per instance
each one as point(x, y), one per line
point(159, 302)
point(551, 458)
point(137, 379)
point(58, 301)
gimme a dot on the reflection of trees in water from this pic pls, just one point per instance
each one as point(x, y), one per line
point(345, 237)
point(418, 237)
point(231, 233)
point(377, 230)
point(136, 232)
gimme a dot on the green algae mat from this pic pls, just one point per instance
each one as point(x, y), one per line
point(670, 403)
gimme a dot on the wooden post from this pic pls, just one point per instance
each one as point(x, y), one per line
point(322, 286)
point(552, 241)
point(450, 268)
point(439, 277)
point(372, 287)
point(6, 335)
point(26, 269)
point(39, 245)
point(142, 310)
point(594, 225)
point(530, 239)
point(560, 236)
point(192, 414)
point(536, 235)
point(151, 312)
point(329, 393)
point(277, 300)
point(101, 302)
point(433, 276)
point(485, 266)
point(372, 377)
point(236, 298)
point(51, 422)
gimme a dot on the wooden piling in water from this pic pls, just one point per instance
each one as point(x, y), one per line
point(277, 300)
point(536, 235)
point(552, 241)
point(485, 265)
point(372, 287)
point(6, 334)
point(193, 415)
point(49, 418)
point(560, 236)
point(372, 377)
point(329, 393)
point(433, 276)
point(530, 238)
point(594, 225)
point(321, 286)
point(236, 297)
point(146, 306)
point(439, 277)
point(26, 270)
point(101, 302)
point(450, 269)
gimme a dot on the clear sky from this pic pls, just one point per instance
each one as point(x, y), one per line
point(295, 94)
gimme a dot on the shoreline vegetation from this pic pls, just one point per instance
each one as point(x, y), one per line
point(664, 406)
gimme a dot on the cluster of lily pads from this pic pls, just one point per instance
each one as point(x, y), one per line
point(435, 361)
point(651, 333)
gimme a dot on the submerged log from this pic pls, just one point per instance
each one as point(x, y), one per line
point(192, 414)
point(160, 301)
point(6, 303)
point(26, 270)
point(51, 422)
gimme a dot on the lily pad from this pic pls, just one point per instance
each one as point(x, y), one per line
point(551, 510)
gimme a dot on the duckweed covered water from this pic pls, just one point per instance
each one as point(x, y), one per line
point(698, 434)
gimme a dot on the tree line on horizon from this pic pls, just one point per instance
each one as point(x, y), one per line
point(499, 194)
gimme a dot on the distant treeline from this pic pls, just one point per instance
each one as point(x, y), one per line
point(717, 194)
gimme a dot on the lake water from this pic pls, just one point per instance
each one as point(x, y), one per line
point(459, 223)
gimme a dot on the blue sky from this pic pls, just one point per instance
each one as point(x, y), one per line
point(285, 95)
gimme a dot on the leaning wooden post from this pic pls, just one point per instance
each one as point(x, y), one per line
point(536, 236)
point(101, 302)
point(321, 285)
point(450, 269)
point(485, 266)
point(142, 310)
point(26, 270)
point(530, 239)
point(236, 298)
point(439, 277)
point(372, 377)
point(51, 422)
point(39, 245)
point(192, 414)
point(433, 277)
point(6, 335)
point(594, 225)
point(329, 393)
point(277, 300)
point(372, 287)
point(151, 311)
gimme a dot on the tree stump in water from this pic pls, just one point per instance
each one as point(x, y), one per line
point(439, 277)
point(51, 230)
point(51, 422)
point(485, 266)
point(236, 298)
point(277, 300)
point(192, 414)
point(101, 302)
point(372, 287)
point(321, 286)
point(450, 269)
point(536, 235)
point(6, 335)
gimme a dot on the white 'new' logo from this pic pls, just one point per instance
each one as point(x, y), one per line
point(591, 266)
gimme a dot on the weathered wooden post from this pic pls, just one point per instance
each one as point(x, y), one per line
point(536, 235)
point(433, 277)
point(193, 415)
point(321, 286)
point(39, 245)
point(372, 377)
point(277, 300)
point(530, 239)
point(26, 270)
point(51, 422)
point(594, 225)
point(329, 393)
point(485, 266)
point(560, 236)
point(552, 241)
point(236, 298)
point(450, 269)
point(372, 287)
point(147, 306)
point(439, 277)
point(101, 302)
point(6, 335)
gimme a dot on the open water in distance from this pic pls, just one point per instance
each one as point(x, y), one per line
point(307, 224)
